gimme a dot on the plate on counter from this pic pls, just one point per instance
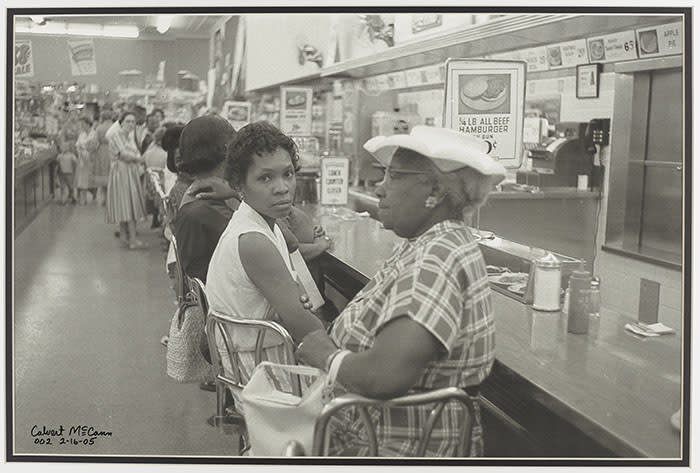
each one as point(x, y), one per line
point(509, 279)
point(518, 289)
point(496, 270)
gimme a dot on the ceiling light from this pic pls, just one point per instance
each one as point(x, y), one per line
point(163, 23)
point(39, 20)
point(80, 29)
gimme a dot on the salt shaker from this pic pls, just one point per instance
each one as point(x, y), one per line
point(547, 289)
point(580, 287)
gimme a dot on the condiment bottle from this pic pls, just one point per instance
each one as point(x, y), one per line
point(547, 289)
point(579, 306)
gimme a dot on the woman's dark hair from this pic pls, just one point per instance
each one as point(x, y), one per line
point(203, 143)
point(171, 141)
point(255, 138)
point(126, 114)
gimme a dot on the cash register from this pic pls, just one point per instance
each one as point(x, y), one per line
point(559, 159)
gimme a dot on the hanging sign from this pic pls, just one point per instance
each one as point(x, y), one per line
point(82, 57)
point(237, 113)
point(614, 47)
point(295, 113)
point(334, 181)
point(24, 58)
point(661, 40)
point(486, 99)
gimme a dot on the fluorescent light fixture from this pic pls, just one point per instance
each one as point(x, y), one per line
point(80, 29)
point(164, 22)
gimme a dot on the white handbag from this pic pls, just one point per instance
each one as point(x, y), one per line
point(185, 362)
point(274, 416)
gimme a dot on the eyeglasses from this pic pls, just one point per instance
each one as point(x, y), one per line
point(393, 173)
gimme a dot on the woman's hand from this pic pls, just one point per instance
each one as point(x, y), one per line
point(212, 188)
point(315, 348)
point(324, 242)
point(319, 231)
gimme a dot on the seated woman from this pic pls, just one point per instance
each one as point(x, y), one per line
point(199, 223)
point(432, 294)
point(250, 275)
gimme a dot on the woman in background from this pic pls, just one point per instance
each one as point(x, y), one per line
point(125, 202)
point(86, 145)
point(102, 161)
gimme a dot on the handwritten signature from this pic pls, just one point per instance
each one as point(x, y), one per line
point(67, 435)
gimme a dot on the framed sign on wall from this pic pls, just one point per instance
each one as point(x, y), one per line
point(587, 81)
point(486, 99)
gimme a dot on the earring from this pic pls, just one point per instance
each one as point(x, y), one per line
point(431, 202)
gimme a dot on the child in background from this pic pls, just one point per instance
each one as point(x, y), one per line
point(66, 165)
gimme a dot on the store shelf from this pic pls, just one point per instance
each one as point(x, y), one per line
point(502, 34)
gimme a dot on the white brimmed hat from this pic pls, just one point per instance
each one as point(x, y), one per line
point(448, 149)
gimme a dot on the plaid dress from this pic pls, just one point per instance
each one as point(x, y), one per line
point(439, 280)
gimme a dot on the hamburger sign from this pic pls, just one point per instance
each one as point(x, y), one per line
point(486, 99)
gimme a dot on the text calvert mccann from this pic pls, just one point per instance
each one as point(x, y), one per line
point(73, 430)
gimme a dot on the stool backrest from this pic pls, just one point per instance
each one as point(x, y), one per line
point(437, 398)
point(221, 326)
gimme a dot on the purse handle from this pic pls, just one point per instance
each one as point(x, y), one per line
point(327, 394)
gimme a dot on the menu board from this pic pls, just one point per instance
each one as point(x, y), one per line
point(237, 113)
point(536, 59)
point(486, 99)
point(334, 181)
point(569, 54)
point(613, 47)
point(660, 40)
point(295, 110)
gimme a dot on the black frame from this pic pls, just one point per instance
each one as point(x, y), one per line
point(596, 67)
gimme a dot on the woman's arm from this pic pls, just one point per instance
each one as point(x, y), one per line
point(265, 267)
point(121, 152)
point(402, 350)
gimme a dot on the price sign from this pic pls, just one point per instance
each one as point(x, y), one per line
point(661, 40)
point(569, 54)
point(614, 47)
point(334, 181)
point(536, 59)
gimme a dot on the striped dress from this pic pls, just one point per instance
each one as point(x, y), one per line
point(125, 201)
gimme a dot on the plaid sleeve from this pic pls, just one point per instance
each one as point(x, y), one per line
point(429, 293)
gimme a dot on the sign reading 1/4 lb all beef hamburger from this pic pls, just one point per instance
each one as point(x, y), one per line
point(484, 108)
point(485, 99)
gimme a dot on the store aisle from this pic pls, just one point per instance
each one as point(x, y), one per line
point(88, 318)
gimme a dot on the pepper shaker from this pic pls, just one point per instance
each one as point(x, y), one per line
point(579, 303)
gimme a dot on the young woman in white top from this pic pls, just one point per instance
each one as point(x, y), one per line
point(250, 275)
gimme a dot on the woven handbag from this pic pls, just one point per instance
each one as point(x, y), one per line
point(185, 363)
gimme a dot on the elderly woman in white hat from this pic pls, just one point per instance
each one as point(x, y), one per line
point(425, 320)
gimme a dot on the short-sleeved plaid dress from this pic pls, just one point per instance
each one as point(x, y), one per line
point(439, 280)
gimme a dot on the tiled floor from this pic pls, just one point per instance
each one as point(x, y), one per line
point(88, 317)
